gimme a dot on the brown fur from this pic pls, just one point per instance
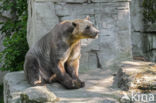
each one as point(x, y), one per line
point(55, 57)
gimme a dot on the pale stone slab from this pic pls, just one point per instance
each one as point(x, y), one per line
point(73, 10)
point(98, 89)
point(41, 20)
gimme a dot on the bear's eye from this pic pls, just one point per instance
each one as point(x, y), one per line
point(88, 27)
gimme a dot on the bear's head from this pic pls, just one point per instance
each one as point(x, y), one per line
point(80, 29)
point(84, 28)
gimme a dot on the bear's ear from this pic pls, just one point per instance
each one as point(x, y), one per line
point(70, 26)
point(87, 18)
point(74, 24)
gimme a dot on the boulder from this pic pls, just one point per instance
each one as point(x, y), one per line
point(137, 75)
point(137, 80)
point(37, 94)
point(17, 90)
point(98, 89)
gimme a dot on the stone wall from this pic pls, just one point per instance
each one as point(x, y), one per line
point(143, 35)
point(111, 17)
point(137, 27)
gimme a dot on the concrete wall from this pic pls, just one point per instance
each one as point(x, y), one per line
point(143, 35)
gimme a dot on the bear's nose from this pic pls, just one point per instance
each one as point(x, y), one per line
point(97, 32)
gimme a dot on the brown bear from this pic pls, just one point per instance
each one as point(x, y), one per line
point(55, 57)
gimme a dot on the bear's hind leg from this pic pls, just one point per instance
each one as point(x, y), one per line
point(72, 68)
point(64, 78)
point(31, 69)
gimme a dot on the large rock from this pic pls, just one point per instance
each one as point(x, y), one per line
point(16, 90)
point(37, 94)
point(137, 79)
point(137, 75)
point(98, 89)
point(111, 17)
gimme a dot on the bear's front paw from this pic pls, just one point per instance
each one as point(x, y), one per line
point(78, 84)
point(82, 84)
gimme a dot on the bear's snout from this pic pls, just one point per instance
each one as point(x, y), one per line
point(95, 33)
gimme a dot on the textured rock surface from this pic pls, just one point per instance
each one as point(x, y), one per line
point(111, 17)
point(150, 45)
point(37, 94)
point(137, 79)
point(137, 75)
point(2, 73)
point(143, 36)
point(16, 90)
point(137, 27)
point(41, 20)
point(98, 89)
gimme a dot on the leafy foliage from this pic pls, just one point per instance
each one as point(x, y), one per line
point(14, 29)
point(149, 11)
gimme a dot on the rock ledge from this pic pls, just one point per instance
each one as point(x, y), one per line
point(98, 89)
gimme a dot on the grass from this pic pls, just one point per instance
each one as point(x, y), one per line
point(1, 94)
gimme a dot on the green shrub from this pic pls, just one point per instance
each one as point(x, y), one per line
point(14, 29)
point(149, 11)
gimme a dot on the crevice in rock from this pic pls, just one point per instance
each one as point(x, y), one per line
point(89, 1)
point(59, 18)
point(151, 32)
point(31, 12)
point(75, 2)
point(150, 50)
point(98, 61)
point(97, 58)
